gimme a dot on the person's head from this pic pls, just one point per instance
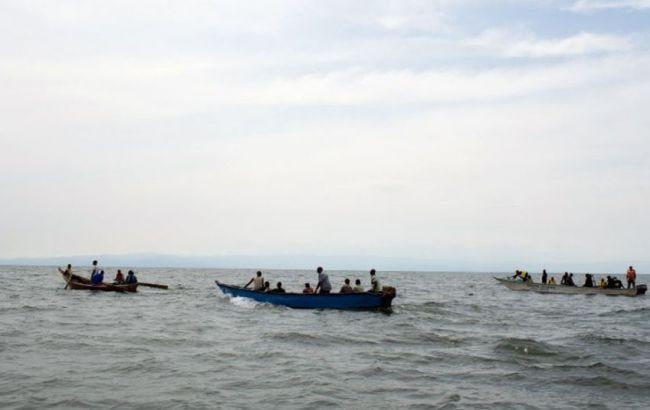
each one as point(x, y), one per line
point(347, 281)
point(571, 275)
point(279, 285)
point(130, 272)
point(319, 270)
point(102, 272)
point(357, 282)
point(544, 271)
point(631, 267)
point(94, 263)
point(259, 274)
point(372, 272)
point(119, 271)
point(307, 285)
point(69, 266)
point(267, 284)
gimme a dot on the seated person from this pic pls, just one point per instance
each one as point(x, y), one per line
point(278, 289)
point(617, 283)
point(119, 278)
point(523, 275)
point(589, 282)
point(130, 278)
point(602, 283)
point(266, 288)
point(357, 287)
point(346, 288)
point(308, 290)
point(610, 282)
point(257, 281)
point(97, 278)
point(552, 281)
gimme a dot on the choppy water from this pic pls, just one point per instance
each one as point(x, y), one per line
point(452, 341)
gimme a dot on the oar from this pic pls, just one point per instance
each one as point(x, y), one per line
point(153, 285)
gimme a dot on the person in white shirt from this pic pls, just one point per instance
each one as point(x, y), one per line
point(257, 281)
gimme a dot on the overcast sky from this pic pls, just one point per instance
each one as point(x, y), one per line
point(474, 130)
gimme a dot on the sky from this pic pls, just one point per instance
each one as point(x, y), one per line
point(481, 132)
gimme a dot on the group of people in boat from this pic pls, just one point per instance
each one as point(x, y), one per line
point(323, 286)
point(97, 275)
point(611, 282)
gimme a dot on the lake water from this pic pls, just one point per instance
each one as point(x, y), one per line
point(453, 340)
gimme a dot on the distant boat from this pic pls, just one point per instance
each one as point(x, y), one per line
point(346, 301)
point(520, 285)
point(79, 282)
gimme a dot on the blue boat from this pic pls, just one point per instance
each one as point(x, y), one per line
point(348, 301)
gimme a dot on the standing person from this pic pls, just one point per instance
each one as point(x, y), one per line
point(95, 270)
point(130, 278)
point(257, 281)
point(544, 277)
point(631, 277)
point(119, 278)
point(97, 278)
point(375, 285)
point(323, 282)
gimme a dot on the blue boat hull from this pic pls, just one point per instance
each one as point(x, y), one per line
point(300, 301)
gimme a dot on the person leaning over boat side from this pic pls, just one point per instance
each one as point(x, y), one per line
point(323, 282)
point(375, 285)
point(357, 287)
point(569, 280)
point(521, 274)
point(565, 277)
point(308, 290)
point(257, 281)
point(631, 278)
point(119, 278)
point(346, 288)
point(97, 278)
point(552, 281)
point(544, 276)
point(278, 289)
point(130, 278)
point(589, 281)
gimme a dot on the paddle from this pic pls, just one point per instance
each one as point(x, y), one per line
point(67, 282)
point(153, 285)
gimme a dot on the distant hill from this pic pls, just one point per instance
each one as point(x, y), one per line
point(331, 262)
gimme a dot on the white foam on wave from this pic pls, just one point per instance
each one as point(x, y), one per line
point(243, 302)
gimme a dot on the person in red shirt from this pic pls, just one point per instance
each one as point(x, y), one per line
point(631, 277)
point(119, 278)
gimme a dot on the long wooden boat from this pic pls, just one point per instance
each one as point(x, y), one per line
point(347, 301)
point(79, 282)
point(519, 285)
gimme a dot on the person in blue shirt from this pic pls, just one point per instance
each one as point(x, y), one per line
point(130, 278)
point(97, 278)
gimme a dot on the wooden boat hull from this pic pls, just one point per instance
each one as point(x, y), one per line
point(518, 285)
point(347, 301)
point(80, 283)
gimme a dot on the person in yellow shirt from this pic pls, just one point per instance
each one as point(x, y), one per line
point(552, 281)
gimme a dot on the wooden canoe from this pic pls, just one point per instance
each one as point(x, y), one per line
point(79, 282)
point(519, 285)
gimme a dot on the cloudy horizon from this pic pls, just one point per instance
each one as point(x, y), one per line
point(435, 130)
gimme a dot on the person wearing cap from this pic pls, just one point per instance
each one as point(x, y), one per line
point(323, 282)
point(375, 285)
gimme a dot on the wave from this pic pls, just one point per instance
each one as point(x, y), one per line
point(624, 311)
point(612, 340)
point(526, 347)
